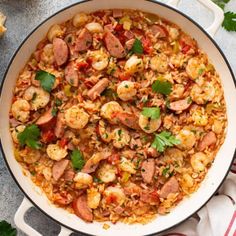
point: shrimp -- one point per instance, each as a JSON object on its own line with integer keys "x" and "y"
{"x": 104, "y": 134}
{"x": 54, "y": 31}
{"x": 199, "y": 161}
{"x": 107, "y": 173}
{"x": 18, "y": 129}
{"x": 80, "y": 19}
{"x": 149, "y": 125}
{"x": 93, "y": 198}
{"x": 99, "y": 59}
{"x": 55, "y": 152}
{"x": 37, "y": 97}
{"x": 187, "y": 181}
{"x": 127, "y": 166}
{"x": 177, "y": 91}
{"x": 121, "y": 137}
{"x": 76, "y": 117}
{"x": 199, "y": 116}
{"x": 21, "y": 110}
{"x": 159, "y": 63}
{"x": 204, "y": 93}
{"x": 187, "y": 139}
{"x": 82, "y": 180}
{"x": 109, "y": 109}
{"x": 30, "y": 155}
{"x": 94, "y": 27}
{"x": 126, "y": 90}
{"x": 47, "y": 55}
{"x": 195, "y": 68}
{"x": 133, "y": 65}
{"x": 115, "y": 195}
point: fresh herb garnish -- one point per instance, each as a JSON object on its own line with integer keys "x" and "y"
{"x": 54, "y": 111}
{"x": 6, "y": 229}
{"x": 221, "y": 3}
{"x": 229, "y": 22}
{"x": 163, "y": 140}
{"x": 58, "y": 102}
{"x": 97, "y": 180}
{"x": 30, "y": 137}
{"x": 163, "y": 87}
{"x": 137, "y": 47}
{"x": 151, "y": 112}
{"x": 46, "y": 80}
{"x": 77, "y": 159}
{"x": 167, "y": 173}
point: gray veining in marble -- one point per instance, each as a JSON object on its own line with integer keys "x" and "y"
{"x": 22, "y": 17}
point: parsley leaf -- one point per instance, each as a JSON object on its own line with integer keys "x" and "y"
{"x": 229, "y": 22}
{"x": 221, "y": 3}
{"x": 163, "y": 87}
{"x": 137, "y": 47}
{"x": 151, "y": 112}
{"x": 58, "y": 102}
{"x": 46, "y": 80}
{"x": 30, "y": 137}
{"x": 163, "y": 140}
{"x": 6, "y": 229}
{"x": 77, "y": 159}
{"x": 54, "y": 111}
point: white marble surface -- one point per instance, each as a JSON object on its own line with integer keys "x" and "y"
{"x": 22, "y": 17}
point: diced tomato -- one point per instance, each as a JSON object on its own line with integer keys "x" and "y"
{"x": 114, "y": 159}
{"x": 154, "y": 196}
{"x": 124, "y": 76}
{"x": 48, "y": 135}
{"x": 185, "y": 48}
{"x": 119, "y": 27}
{"x": 63, "y": 142}
{"x": 82, "y": 66}
{"x": 89, "y": 60}
{"x": 147, "y": 45}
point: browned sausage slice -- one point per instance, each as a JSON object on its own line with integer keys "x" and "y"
{"x": 159, "y": 31}
{"x": 69, "y": 175}
{"x": 60, "y": 126}
{"x": 180, "y": 105}
{"x": 171, "y": 186}
{"x": 207, "y": 140}
{"x": 45, "y": 118}
{"x": 98, "y": 88}
{"x": 71, "y": 74}
{"x": 114, "y": 45}
{"x": 58, "y": 169}
{"x": 127, "y": 119}
{"x": 148, "y": 170}
{"x": 60, "y": 51}
{"x": 81, "y": 208}
{"x": 84, "y": 40}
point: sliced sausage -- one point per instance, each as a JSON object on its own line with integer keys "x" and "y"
{"x": 117, "y": 13}
{"x": 60, "y": 126}
{"x": 71, "y": 74}
{"x": 69, "y": 175}
{"x": 127, "y": 119}
{"x": 45, "y": 118}
{"x": 114, "y": 45}
{"x": 148, "y": 170}
{"x": 63, "y": 200}
{"x": 98, "y": 88}
{"x": 207, "y": 140}
{"x": 60, "y": 51}
{"x": 58, "y": 169}
{"x": 81, "y": 208}
{"x": 150, "y": 197}
{"x": 171, "y": 186}
{"x": 159, "y": 31}
{"x": 108, "y": 27}
{"x": 84, "y": 40}
{"x": 180, "y": 105}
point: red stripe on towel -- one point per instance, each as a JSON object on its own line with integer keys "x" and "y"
{"x": 230, "y": 226}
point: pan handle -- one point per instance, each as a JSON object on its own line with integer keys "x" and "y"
{"x": 217, "y": 11}
{"x": 22, "y": 225}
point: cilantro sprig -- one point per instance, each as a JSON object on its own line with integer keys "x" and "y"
{"x": 229, "y": 22}
{"x": 163, "y": 140}
{"x": 30, "y": 137}
{"x": 46, "y": 80}
{"x": 6, "y": 229}
{"x": 221, "y": 3}
{"x": 151, "y": 112}
{"x": 77, "y": 159}
{"x": 137, "y": 47}
{"x": 163, "y": 87}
